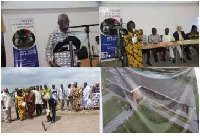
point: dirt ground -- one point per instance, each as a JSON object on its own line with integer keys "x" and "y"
{"x": 85, "y": 121}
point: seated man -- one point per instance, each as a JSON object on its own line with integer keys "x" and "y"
{"x": 154, "y": 38}
{"x": 169, "y": 38}
{"x": 194, "y": 34}
{"x": 180, "y": 35}
{"x": 57, "y": 54}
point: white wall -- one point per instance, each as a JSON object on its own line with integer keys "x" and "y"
{"x": 160, "y": 15}
{"x": 45, "y": 21}
{"x": 145, "y": 15}
{"x": 48, "y": 5}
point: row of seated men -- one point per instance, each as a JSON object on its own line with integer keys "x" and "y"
{"x": 178, "y": 35}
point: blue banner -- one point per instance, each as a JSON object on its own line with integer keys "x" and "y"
{"x": 108, "y": 46}
{"x": 26, "y": 58}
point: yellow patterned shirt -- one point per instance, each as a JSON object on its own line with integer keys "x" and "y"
{"x": 134, "y": 49}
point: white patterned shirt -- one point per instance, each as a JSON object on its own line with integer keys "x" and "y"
{"x": 62, "y": 59}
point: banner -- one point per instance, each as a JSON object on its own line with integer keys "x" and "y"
{"x": 109, "y": 17}
{"x": 150, "y": 100}
{"x": 24, "y": 43}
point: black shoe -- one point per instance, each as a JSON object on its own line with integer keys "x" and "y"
{"x": 156, "y": 60}
{"x": 189, "y": 58}
{"x": 163, "y": 59}
{"x": 149, "y": 64}
{"x": 173, "y": 60}
{"x": 183, "y": 60}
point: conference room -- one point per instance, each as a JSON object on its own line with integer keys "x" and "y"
{"x": 149, "y": 34}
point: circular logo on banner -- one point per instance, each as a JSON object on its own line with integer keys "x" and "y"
{"x": 23, "y": 39}
{"x": 108, "y": 26}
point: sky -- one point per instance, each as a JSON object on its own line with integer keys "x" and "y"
{"x": 24, "y": 77}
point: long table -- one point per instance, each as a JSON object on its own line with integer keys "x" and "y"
{"x": 167, "y": 44}
{"x": 86, "y": 62}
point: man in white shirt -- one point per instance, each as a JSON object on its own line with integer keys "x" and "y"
{"x": 14, "y": 96}
{"x": 69, "y": 97}
{"x": 6, "y": 104}
{"x": 86, "y": 96}
{"x": 169, "y": 38}
{"x": 154, "y": 38}
{"x": 38, "y": 101}
{"x": 61, "y": 96}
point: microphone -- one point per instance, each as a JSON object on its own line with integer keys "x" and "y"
{"x": 93, "y": 50}
{"x": 82, "y": 26}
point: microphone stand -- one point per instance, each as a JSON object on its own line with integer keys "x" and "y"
{"x": 82, "y": 26}
{"x": 87, "y": 30}
{"x": 120, "y": 53}
{"x": 71, "y": 53}
{"x": 93, "y": 50}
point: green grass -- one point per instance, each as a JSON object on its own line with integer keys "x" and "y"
{"x": 105, "y": 73}
{"x": 197, "y": 104}
{"x": 104, "y": 91}
{"x": 111, "y": 108}
{"x": 148, "y": 121}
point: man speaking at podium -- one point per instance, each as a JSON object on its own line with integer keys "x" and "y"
{"x": 57, "y": 51}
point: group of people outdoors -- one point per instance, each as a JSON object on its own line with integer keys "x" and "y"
{"x": 35, "y": 99}
{"x": 136, "y": 39}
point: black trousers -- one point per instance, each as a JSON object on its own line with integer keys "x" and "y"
{"x": 38, "y": 109}
{"x": 160, "y": 49}
{"x": 52, "y": 104}
{"x": 196, "y": 47}
{"x": 147, "y": 51}
{"x": 186, "y": 49}
{"x": 44, "y": 105}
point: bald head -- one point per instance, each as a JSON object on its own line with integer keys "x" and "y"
{"x": 179, "y": 28}
{"x": 63, "y": 22}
